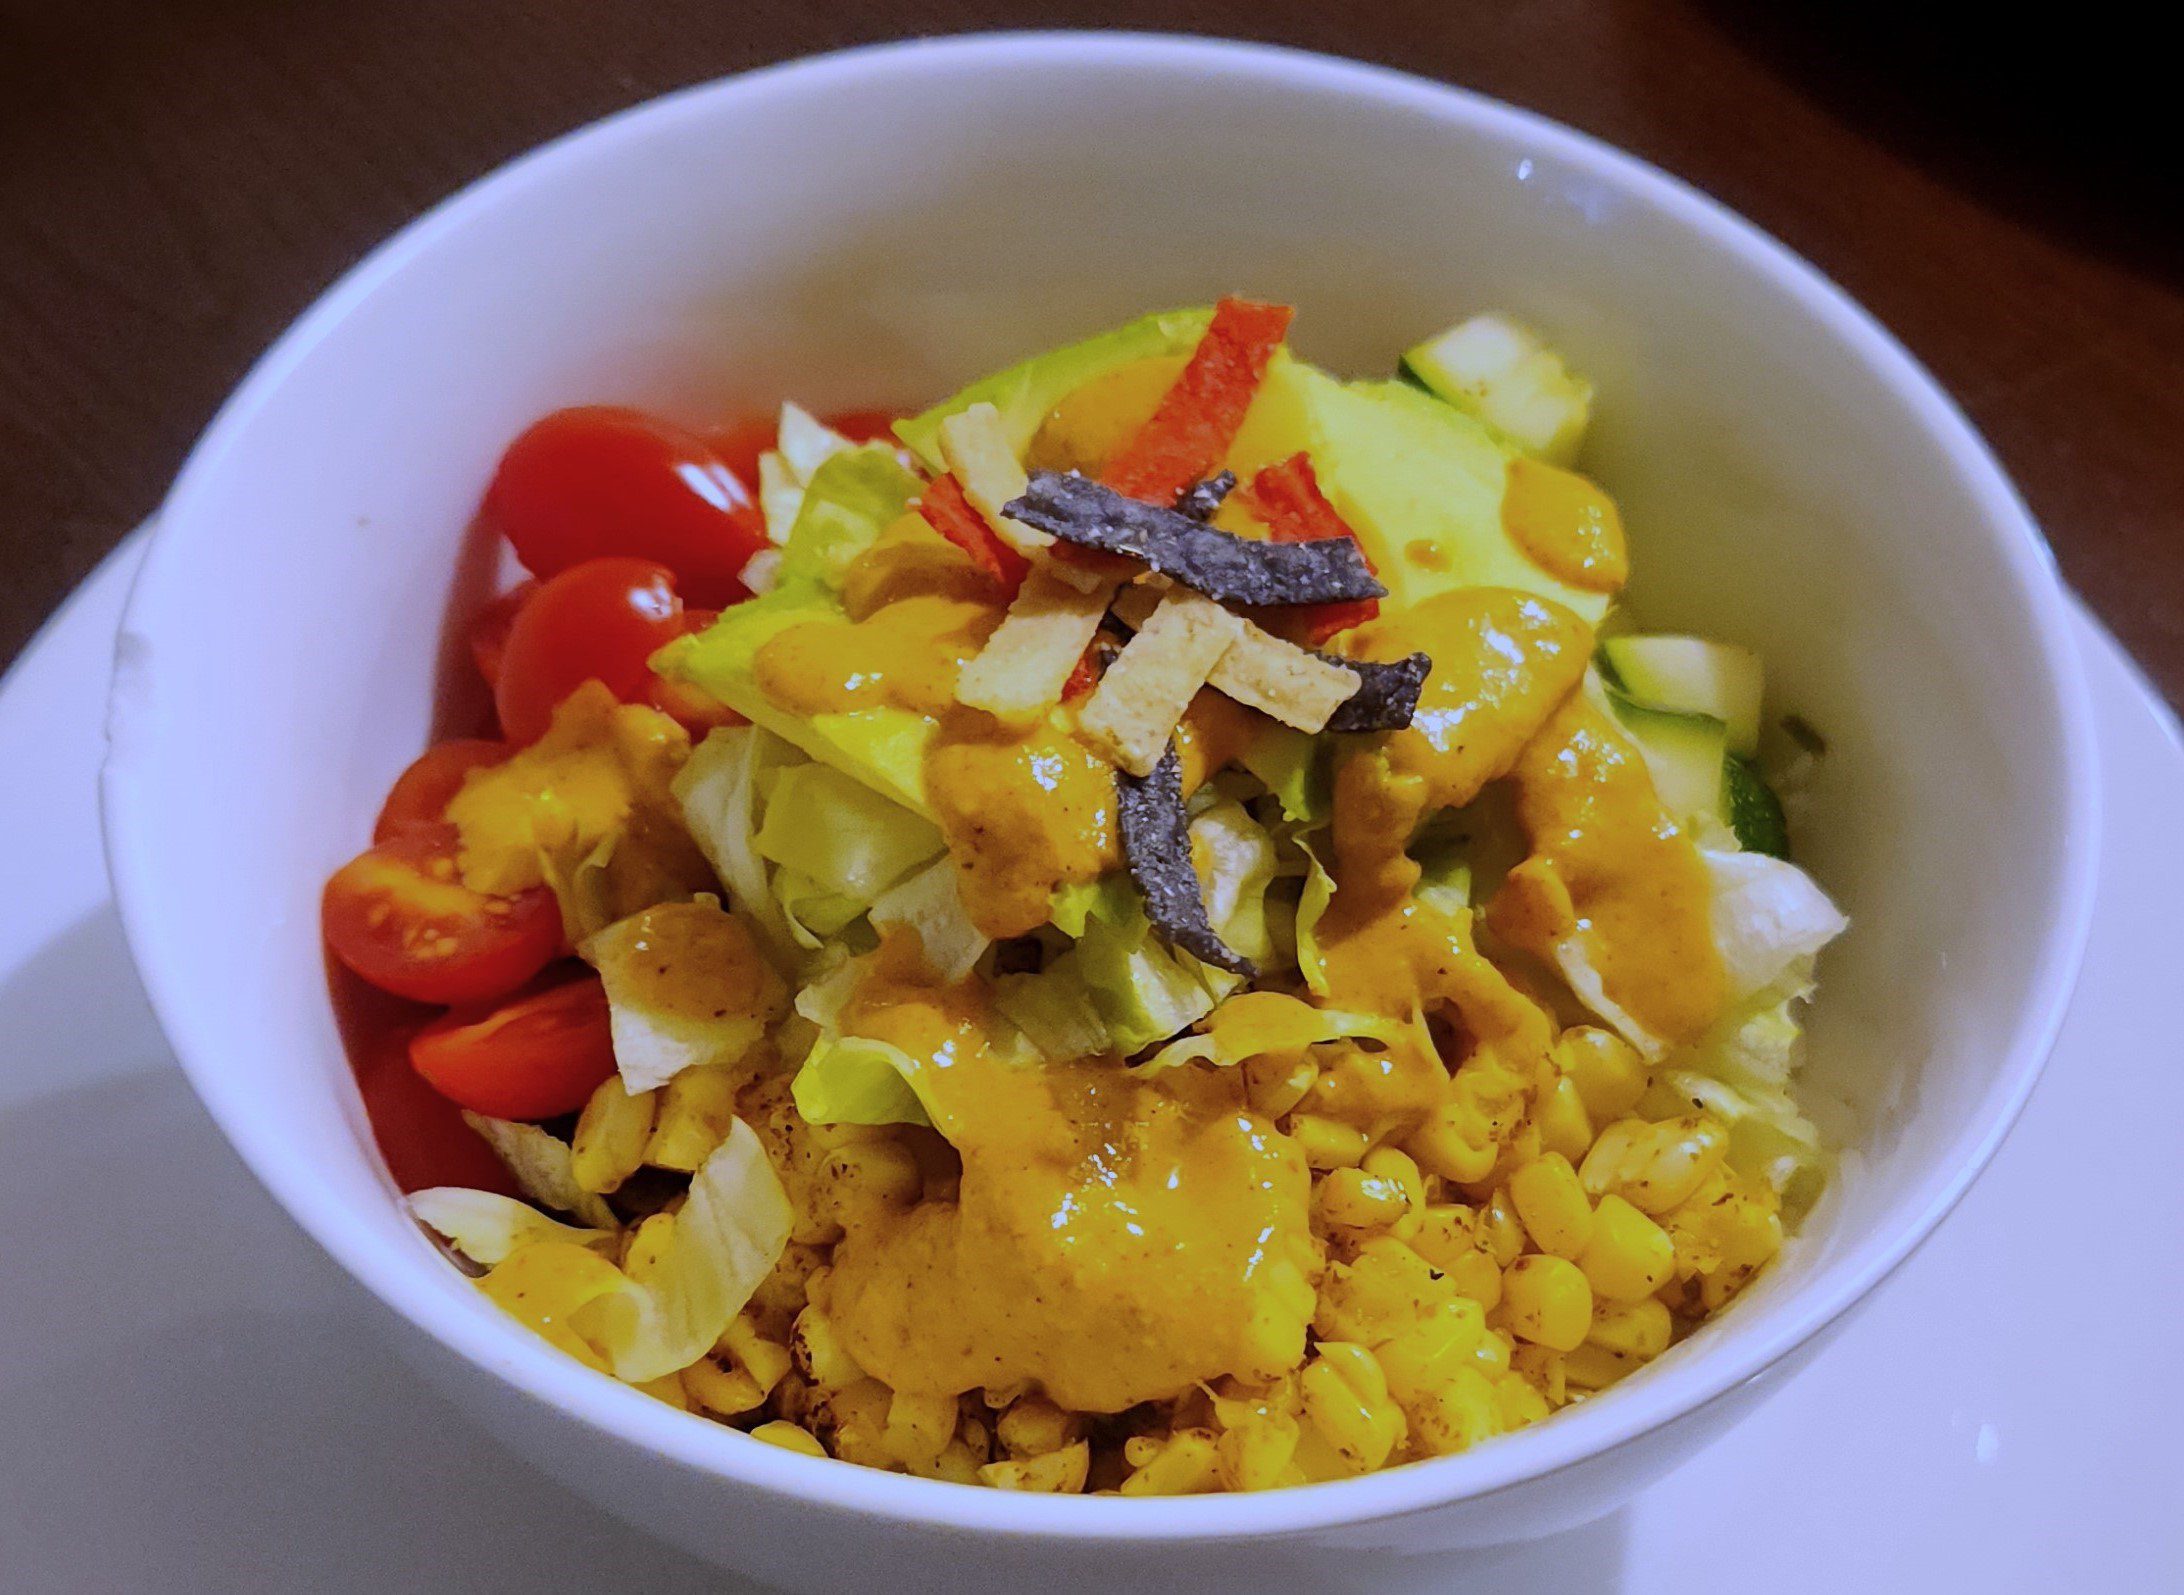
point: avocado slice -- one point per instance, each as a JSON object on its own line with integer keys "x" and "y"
{"x": 1028, "y": 390}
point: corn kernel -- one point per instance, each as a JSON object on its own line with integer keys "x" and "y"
{"x": 1655, "y": 1166}
{"x": 1186, "y": 1463}
{"x": 1501, "y": 1229}
{"x": 1431, "y": 1351}
{"x": 1476, "y": 1276}
{"x": 1328, "y": 1143}
{"x": 1454, "y": 1143}
{"x": 1444, "y": 1234}
{"x": 1564, "y": 1125}
{"x": 1456, "y": 1414}
{"x": 1592, "y": 1367}
{"x": 1274, "y": 1084}
{"x": 1546, "y": 1300}
{"x": 1543, "y": 1371}
{"x": 957, "y": 1463}
{"x": 1551, "y": 1202}
{"x": 867, "y": 1179}
{"x": 609, "y": 1143}
{"x": 1629, "y": 1257}
{"x": 1517, "y": 1402}
{"x": 646, "y": 1246}
{"x": 1354, "y": 1199}
{"x": 820, "y": 1355}
{"x": 1638, "y": 1329}
{"x": 696, "y": 1110}
{"x": 920, "y": 1427}
{"x": 669, "y": 1389}
{"x": 763, "y": 1359}
{"x": 789, "y": 1437}
{"x": 1257, "y": 1455}
{"x": 1347, "y": 1404}
{"x": 853, "y": 1420}
{"x": 1606, "y": 1071}
{"x": 730, "y": 1392}
{"x": 1386, "y": 1163}
{"x": 1057, "y": 1473}
{"x": 1035, "y": 1426}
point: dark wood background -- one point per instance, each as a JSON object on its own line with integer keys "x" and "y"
{"x": 178, "y": 179}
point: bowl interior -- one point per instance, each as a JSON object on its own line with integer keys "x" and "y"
{"x": 874, "y": 229}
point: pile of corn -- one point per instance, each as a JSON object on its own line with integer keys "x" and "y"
{"x": 1543, "y": 1241}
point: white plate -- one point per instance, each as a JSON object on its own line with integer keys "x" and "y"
{"x": 190, "y": 1402}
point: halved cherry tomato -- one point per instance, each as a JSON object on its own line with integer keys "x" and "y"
{"x": 401, "y": 917}
{"x": 601, "y": 620}
{"x": 865, "y": 426}
{"x": 532, "y": 1059}
{"x": 740, "y": 443}
{"x": 488, "y": 633}
{"x": 600, "y": 481}
{"x": 420, "y": 794}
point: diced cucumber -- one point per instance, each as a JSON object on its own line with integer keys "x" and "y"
{"x": 1753, "y": 811}
{"x": 1500, "y": 372}
{"x": 1684, "y": 753}
{"x": 1693, "y": 676}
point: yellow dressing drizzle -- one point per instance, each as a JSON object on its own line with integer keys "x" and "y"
{"x": 1565, "y": 525}
{"x": 1612, "y": 875}
{"x": 1115, "y": 1238}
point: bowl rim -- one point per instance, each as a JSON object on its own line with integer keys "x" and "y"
{"x": 502, "y": 1350}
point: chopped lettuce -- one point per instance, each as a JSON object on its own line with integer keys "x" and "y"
{"x": 720, "y": 792}
{"x": 857, "y": 1080}
{"x": 852, "y": 498}
{"x": 1026, "y": 391}
{"x": 1292, "y": 765}
{"x": 541, "y": 1165}
{"x": 1143, "y": 991}
{"x": 1255, "y": 1022}
{"x": 1768, "y": 915}
{"x": 1742, "y": 1071}
{"x": 1319, "y": 892}
{"x": 1236, "y": 863}
{"x": 726, "y": 1238}
{"x": 687, "y": 987}
{"x": 487, "y": 1227}
{"x": 930, "y": 903}
{"x": 1054, "y": 1010}
{"x": 840, "y": 834}
{"x": 1112, "y": 898}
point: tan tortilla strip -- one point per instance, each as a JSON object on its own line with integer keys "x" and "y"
{"x": 977, "y": 450}
{"x": 1263, "y": 672}
{"x": 1136, "y": 707}
{"x": 1026, "y": 662}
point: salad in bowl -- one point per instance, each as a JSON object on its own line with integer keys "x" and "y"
{"x": 1151, "y": 928}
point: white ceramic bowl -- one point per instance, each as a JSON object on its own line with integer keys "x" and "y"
{"x": 877, "y": 226}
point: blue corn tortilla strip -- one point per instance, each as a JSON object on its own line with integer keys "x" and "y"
{"x": 1156, "y": 844}
{"x": 1387, "y": 694}
{"x": 1201, "y": 499}
{"x": 1226, "y": 568}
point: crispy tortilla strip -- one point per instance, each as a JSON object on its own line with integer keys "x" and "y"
{"x": 1260, "y": 670}
{"x": 1156, "y": 843}
{"x": 976, "y": 447}
{"x": 1136, "y": 707}
{"x": 1027, "y": 661}
{"x": 1235, "y": 570}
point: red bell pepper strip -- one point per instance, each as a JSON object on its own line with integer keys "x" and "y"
{"x": 1288, "y": 499}
{"x": 1084, "y": 675}
{"x": 1190, "y": 430}
{"x": 952, "y": 515}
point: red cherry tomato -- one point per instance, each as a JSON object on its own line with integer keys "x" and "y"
{"x": 600, "y": 481}
{"x": 488, "y": 632}
{"x": 600, "y": 620}
{"x": 536, "y": 1057}
{"x": 865, "y": 426}
{"x": 740, "y": 443}
{"x": 422, "y": 792}
{"x": 401, "y": 917}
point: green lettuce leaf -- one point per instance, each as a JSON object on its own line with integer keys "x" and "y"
{"x": 840, "y": 834}
{"x": 856, "y": 1080}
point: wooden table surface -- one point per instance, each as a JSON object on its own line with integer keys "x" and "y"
{"x": 178, "y": 179}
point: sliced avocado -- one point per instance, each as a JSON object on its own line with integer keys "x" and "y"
{"x": 1684, "y": 753}
{"x": 1693, "y": 675}
{"x": 1422, "y": 483}
{"x": 1026, "y": 391}
{"x": 1753, "y": 811}
{"x": 1500, "y": 372}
